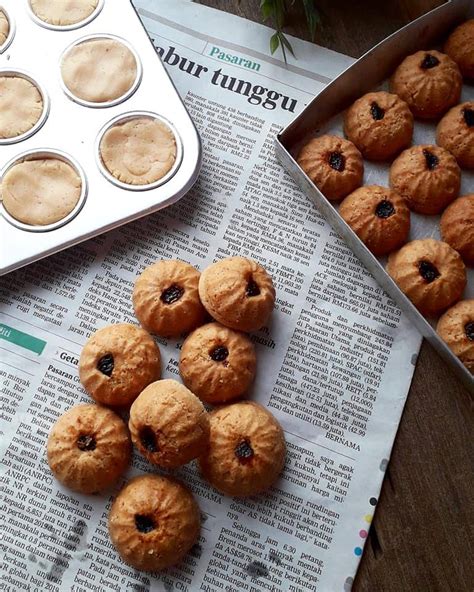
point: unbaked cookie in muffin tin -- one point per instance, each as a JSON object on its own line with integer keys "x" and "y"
{"x": 76, "y": 118}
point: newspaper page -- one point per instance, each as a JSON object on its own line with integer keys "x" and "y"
{"x": 334, "y": 365}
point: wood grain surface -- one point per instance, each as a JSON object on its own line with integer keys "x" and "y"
{"x": 422, "y": 537}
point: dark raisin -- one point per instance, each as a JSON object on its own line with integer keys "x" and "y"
{"x": 86, "y": 443}
{"x": 219, "y": 353}
{"x": 106, "y": 364}
{"x": 144, "y": 524}
{"x": 337, "y": 161}
{"x": 432, "y": 161}
{"x": 385, "y": 209}
{"x": 252, "y": 289}
{"x": 429, "y": 61}
{"x": 428, "y": 271}
{"x": 376, "y": 111}
{"x": 469, "y": 117}
{"x": 147, "y": 438}
{"x": 171, "y": 294}
{"x": 469, "y": 330}
{"x": 243, "y": 451}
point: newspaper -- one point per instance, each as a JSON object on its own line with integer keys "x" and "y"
{"x": 334, "y": 365}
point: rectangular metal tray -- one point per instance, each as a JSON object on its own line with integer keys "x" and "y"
{"x": 73, "y": 128}
{"x": 323, "y": 115}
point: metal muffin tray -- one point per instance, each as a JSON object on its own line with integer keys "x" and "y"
{"x": 70, "y": 129}
{"x": 324, "y": 115}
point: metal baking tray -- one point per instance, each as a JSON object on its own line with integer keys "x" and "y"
{"x": 71, "y": 128}
{"x": 324, "y": 115}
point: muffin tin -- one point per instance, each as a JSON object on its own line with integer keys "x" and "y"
{"x": 324, "y": 115}
{"x": 70, "y": 128}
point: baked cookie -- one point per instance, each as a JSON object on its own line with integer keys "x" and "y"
{"x": 166, "y": 298}
{"x": 117, "y": 363}
{"x": 99, "y": 70}
{"x": 427, "y": 176}
{"x": 41, "y": 191}
{"x": 238, "y": 293}
{"x": 21, "y": 106}
{"x": 333, "y": 164}
{"x": 246, "y": 450}
{"x": 460, "y": 48}
{"x": 217, "y": 364}
{"x": 455, "y": 132}
{"x": 429, "y": 81}
{"x": 379, "y": 217}
{"x": 154, "y": 521}
{"x": 138, "y": 151}
{"x": 4, "y": 28}
{"x": 89, "y": 448}
{"x": 430, "y": 273}
{"x": 379, "y": 124}
{"x": 456, "y": 329}
{"x": 169, "y": 424}
{"x": 457, "y": 227}
{"x": 63, "y": 13}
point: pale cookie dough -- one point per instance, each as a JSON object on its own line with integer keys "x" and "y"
{"x": 21, "y": 106}
{"x": 139, "y": 151}
{"x": 40, "y": 192}
{"x": 63, "y": 12}
{"x": 4, "y": 28}
{"x": 99, "y": 70}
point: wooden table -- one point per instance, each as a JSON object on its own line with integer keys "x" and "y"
{"x": 422, "y": 537}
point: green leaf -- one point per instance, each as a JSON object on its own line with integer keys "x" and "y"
{"x": 274, "y": 43}
{"x": 268, "y": 9}
{"x": 286, "y": 43}
{"x": 312, "y": 16}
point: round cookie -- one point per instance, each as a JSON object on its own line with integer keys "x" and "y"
{"x": 217, "y": 364}
{"x": 333, "y": 164}
{"x": 99, "y": 70}
{"x": 169, "y": 424}
{"x": 455, "y": 132}
{"x": 379, "y": 217}
{"x": 460, "y": 48}
{"x": 117, "y": 363}
{"x": 238, "y": 293}
{"x": 427, "y": 176}
{"x": 456, "y": 329}
{"x": 4, "y": 28}
{"x": 138, "y": 151}
{"x": 166, "y": 298}
{"x": 246, "y": 451}
{"x": 380, "y": 124}
{"x": 457, "y": 227}
{"x": 63, "y": 13}
{"x": 89, "y": 448}
{"x": 154, "y": 521}
{"x": 430, "y": 273}
{"x": 41, "y": 191}
{"x": 429, "y": 81}
{"x": 21, "y": 106}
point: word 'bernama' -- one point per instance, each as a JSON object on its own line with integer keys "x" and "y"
{"x": 255, "y": 93}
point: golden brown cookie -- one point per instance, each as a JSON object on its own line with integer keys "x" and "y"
{"x": 4, "y": 27}
{"x": 429, "y": 81}
{"x": 238, "y": 293}
{"x": 380, "y": 124}
{"x": 430, "y": 273}
{"x": 457, "y": 227}
{"x": 166, "y": 298}
{"x": 333, "y": 164}
{"x": 169, "y": 424}
{"x": 89, "y": 448}
{"x": 427, "y": 176}
{"x": 460, "y": 48}
{"x": 217, "y": 364}
{"x": 455, "y": 132}
{"x": 456, "y": 329}
{"x": 117, "y": 363}
{"x": 64, "y": 12}
{"x": 154, "y": 521}
{"x": 246, "y": 450}
{"x": 379, "y": 217}
{"x": 21, "y": 106}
